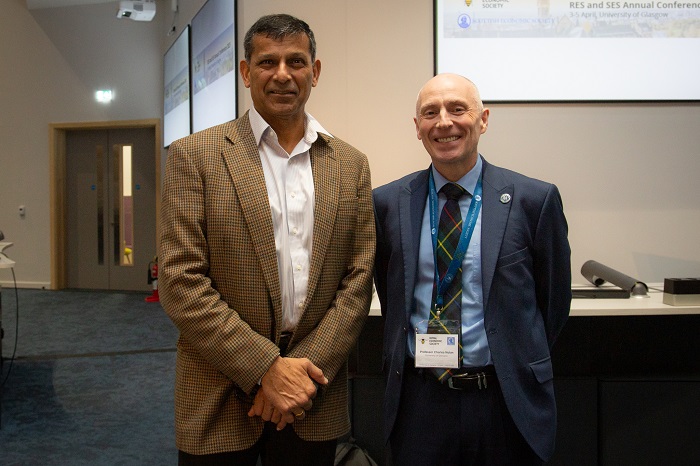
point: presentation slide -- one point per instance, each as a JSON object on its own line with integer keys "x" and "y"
{"x": 176, "y": 72}
{"x": 551, "y": 50}
{"x": 214, "y": 64}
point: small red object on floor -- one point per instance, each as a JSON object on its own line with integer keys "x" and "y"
{"x": 153, "y": 270}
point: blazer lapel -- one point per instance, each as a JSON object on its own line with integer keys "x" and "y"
{"x": 412, "y": 199}
{"x": 326, "y": 172}
{"x": 494, "y": 217}
{"x": 243, "y": 162}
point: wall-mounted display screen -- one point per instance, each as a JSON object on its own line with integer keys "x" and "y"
{"x": 555, "y": 50}
{"x": 176, "y": 73}
{"x": 214, "y": 69}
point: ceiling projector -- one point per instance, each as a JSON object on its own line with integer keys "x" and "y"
{"x": 138, "y": 10}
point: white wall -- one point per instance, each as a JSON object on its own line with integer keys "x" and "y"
{"x": 53, "y": 60}
{"x": 628, "y": 172}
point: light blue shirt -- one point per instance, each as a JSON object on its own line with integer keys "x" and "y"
{"x": 475, "y": 348}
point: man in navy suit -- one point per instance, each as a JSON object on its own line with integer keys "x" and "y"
{"x": 492, "y": 401}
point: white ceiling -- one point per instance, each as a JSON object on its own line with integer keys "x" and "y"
{"x": 37, "y": 4}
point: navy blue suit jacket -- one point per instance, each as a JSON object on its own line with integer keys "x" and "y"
{"x": 526, "y": 288}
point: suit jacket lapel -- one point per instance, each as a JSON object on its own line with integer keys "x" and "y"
{"x": 243, "y": 162}
{"x": 326, "y": 172}
{"x": 412, "y": 199}
{"x": 494, "y": 217}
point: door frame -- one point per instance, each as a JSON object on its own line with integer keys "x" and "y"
{"x": 58, "y": 182}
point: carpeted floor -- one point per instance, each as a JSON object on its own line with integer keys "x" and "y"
{"x": 92, "y": 380}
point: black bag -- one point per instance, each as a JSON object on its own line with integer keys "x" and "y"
{"x": 351, "y": 454}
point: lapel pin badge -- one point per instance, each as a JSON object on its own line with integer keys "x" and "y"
{"x": 505, "y": 198}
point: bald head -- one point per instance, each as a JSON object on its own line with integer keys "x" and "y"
{"x": 450, "y": 118}
{"x": 450, "y": 81}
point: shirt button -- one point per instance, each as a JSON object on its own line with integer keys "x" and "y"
{"x": 301, "y": 305}
{"x": 298, "y": 266}
{"x": 295, "y": 231}
{"x": 293, "y": 194}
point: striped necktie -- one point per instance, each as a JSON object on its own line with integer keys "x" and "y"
{"x": 449, "y": 233}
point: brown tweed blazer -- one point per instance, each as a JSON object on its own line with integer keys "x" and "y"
{"x": 219, "y": 283}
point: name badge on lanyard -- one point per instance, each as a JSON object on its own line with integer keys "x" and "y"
{"x": 441, "y": 346}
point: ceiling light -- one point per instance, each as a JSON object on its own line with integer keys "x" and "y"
{"x": 104, "y": 96}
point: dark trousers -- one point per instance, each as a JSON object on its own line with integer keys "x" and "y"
{"x": 283, "y": 448}
{"x": 437, "y": 425}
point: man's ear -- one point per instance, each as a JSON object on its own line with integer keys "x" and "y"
{"x": 485, "y": 120}
{"x": 317, "y": 72}
{"x": 245, "y": 72}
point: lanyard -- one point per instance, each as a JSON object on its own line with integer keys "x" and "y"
{"x": 465, "y": 238}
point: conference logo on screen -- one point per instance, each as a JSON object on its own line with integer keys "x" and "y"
{"x": 464, "y": 21}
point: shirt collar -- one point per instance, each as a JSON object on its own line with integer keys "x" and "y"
{"x": 468, "y": 181}
{"x": 260, "y": 127}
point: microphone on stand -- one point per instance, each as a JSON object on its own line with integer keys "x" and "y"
{"x": 597, "y": 273}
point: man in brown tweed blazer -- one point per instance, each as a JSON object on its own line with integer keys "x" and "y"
{"x": 266, "y": 253}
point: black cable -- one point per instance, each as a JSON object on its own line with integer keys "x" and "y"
{"x": 173, "y": 28}
{"x": 14, "y": 350}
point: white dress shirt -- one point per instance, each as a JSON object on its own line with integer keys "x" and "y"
{"x": 290, "y": 189}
